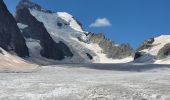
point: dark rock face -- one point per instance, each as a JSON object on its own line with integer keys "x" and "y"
{"x": 109, "y": 48}
{"x": 89, "y": 56}
{"x": 1, "y": 51}
{"x": 36, "y": 30}
{"x": 164, "y": 52}
{"x": 11, "y": 38}
{"x": 138, "y": 55}
{"x": 146, "y": 44}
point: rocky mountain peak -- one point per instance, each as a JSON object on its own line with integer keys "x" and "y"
{"x": 31, "y": 5}
{"x": 36, "y": 30}
{"x": 28, "y": 4}
{"x": 111, "y": 49}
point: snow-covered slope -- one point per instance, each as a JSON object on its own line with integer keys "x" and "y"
{"x": 59, "y": 27}
{"x": 12, "y": 63}
{"x": 158, "y": 43}
{"x": 70, "y": 19}
{"x": 151, "y": 53}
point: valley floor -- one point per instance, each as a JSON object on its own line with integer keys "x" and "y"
{"x": 88, "y": 82}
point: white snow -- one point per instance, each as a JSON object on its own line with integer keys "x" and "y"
{"x": 88, "y": 82}
{"x": 163, "y": 61}
{"x": 22, "y": 26}
{"x": 34, "y": 47}
{"x": 34, "y": 52}
{"x": 69, "y": 18}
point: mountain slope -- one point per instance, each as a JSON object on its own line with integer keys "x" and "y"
{"x": 36, "y": 30}
{"x": 12, "y": 63}
{"x": 114, "y": 51}
{"x": 63, "y": 27}
{"x": 150, "y": 50}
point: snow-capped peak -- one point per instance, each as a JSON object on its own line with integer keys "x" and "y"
{"x": 158, "y": 43}
{"x": 63, "y": 15}
{"x": 28, "y": 4}
{"x": 71, "y": 20}
{"x": 150, "y": 50}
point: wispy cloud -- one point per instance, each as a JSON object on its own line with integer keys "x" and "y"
{"x": 101, "y": 22}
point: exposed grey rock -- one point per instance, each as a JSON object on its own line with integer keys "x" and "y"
{"x": 146, "y": 44}
{"x": 142, "y": 56}
{"x": 109, "y": 48}
{"x": 11, "y": 38}
{"x": 164, "y": 52}
{"x": 29, "y": 4}
{"x": 36, "y": 30}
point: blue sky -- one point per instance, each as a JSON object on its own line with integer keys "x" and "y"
{"x": 129, "y": 21}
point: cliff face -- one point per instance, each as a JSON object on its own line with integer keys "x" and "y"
{"x": 109, "y": 48}
{"x": 10, "y": 36}
{"x": 36, "y": 30}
